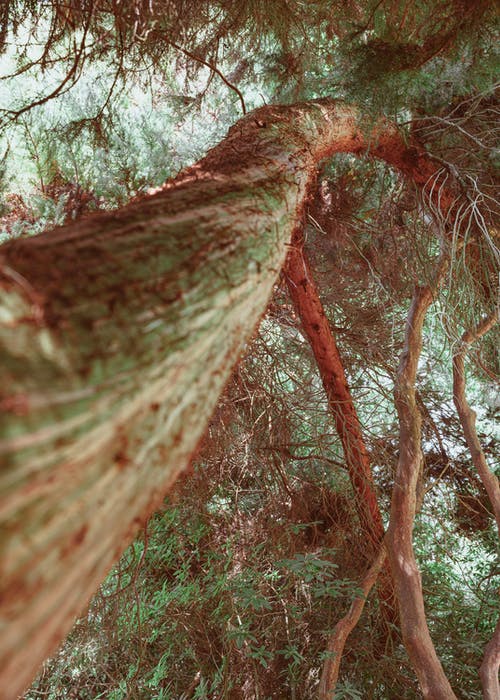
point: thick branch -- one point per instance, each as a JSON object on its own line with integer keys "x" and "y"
{"x": 308, "y": 306}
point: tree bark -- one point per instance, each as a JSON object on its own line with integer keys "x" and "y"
{"x": 468, "y": 417}
{"x": 117, "y": 335}
{"x": 491, "y": 660}
{"x": 308, "y": 306}
{"x": 406, "y": 575}
{"x": 307, "y": 303}
{"x": 489, "y": 667}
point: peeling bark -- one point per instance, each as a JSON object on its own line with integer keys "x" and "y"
{"x": 117, "y": 335}
{"x": 406, "y": 575}
{"x": 491, "y": 661}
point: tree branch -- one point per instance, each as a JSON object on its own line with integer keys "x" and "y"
{"x": 407, "y": 580}
{"x": 491, "y": 660}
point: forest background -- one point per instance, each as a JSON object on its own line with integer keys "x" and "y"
{"x": 249, "y": 580}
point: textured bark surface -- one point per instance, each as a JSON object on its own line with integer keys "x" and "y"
{"x": 315, "y": 324}
{"x": 117, "y": 335}
{"x": 406, "y": 575}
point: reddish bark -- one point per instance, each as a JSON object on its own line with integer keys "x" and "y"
{"x": 305, "y": 296}
{"x": 113, "y": 355}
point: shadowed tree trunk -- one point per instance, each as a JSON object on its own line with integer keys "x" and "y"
{"x": 117, "y": 335}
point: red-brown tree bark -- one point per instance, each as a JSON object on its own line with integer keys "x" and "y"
{"x": 307, "y": 303}
{"x": 316, "y": 327}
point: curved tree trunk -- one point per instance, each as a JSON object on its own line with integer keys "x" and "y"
{"x": 491, "y": 660}
{"x": 399, "y": 539}
{"x": 117, "y": 335}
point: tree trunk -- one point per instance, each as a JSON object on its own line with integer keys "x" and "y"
{"x": 117, "y": 335}
{"x": 406, "y": 575}
{"x": 491, "y": 661}
{"x": 316, "y": 327}
{"x": 489, "y": 667}
{"x": 308, "y": 306}
{"x": 468, "y": 417}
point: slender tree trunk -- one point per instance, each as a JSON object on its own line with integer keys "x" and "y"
{"x": 468, "y": 417}
{"x": 308, "y": 306}
{"x": 344, "y": 627}
{"x": 490, "y": 665}
{"x": 407, "y": 580}
{"x": 491, "y": 661}
{"x": 117, "y": 335}
{"x": 307, "y": 303}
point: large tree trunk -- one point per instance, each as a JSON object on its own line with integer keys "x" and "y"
{"x": 117, "y": 335}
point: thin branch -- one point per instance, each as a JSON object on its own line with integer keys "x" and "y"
{"x": 491, "y": 660}
{"x": 344, "y": 627}
{"x": 213, "y": 68}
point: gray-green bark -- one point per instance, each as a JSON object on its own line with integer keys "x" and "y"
{"x": 117, "y": 335}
